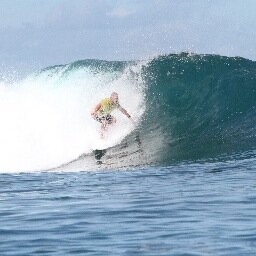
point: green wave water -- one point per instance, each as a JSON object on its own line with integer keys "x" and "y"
{"x": 202, "y": 105}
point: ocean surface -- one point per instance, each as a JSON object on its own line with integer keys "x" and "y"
{"x": 181, "y": 181}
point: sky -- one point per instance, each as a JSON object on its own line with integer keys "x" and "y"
{"x": 38, "y": 33}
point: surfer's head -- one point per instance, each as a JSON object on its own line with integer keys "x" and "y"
{"x": 114, "y": 97}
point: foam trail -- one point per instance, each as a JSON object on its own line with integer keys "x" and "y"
{"x": 45, "y": 118}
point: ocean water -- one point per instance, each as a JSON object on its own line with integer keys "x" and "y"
{"x": 179, "y": 182}
{"x": 185, "y": 209}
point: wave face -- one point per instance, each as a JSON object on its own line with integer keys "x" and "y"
{"x": 203, "y": 105}
{"x": 187, "y": 107}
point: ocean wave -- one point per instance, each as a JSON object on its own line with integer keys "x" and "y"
{"x": 187, "y": 107}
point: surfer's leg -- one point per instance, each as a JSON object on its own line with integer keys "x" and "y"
{"x": 101, "y": 133}
{"x": 106, "y": 121}
{"x": 103, "y": 128}
{"x": 110, "y": 119}
{"x": 102, "y": 120}
{"x": 113, "y": 120}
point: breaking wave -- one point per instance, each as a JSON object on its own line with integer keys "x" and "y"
{"x": 186, "y": 107}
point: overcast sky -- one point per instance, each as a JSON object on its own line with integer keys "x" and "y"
{"x": 39, "y": 33}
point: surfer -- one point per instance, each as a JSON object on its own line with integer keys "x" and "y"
{"x": 102, "y": 110}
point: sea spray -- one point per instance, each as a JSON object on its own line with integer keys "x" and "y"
{"x": 46, "y": 121}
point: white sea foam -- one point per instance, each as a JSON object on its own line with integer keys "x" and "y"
{"x": 45, "y": 118}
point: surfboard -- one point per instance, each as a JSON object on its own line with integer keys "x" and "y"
{"x": 98, "y": 154}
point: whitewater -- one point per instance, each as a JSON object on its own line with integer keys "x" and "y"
{"x": 46, "y": 121}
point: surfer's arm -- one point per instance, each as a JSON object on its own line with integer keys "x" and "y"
{"x": 96, "y": 109}
{"x": 124, "y": 111}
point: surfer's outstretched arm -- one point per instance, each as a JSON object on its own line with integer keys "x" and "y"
{"x": 124, "y": 111}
